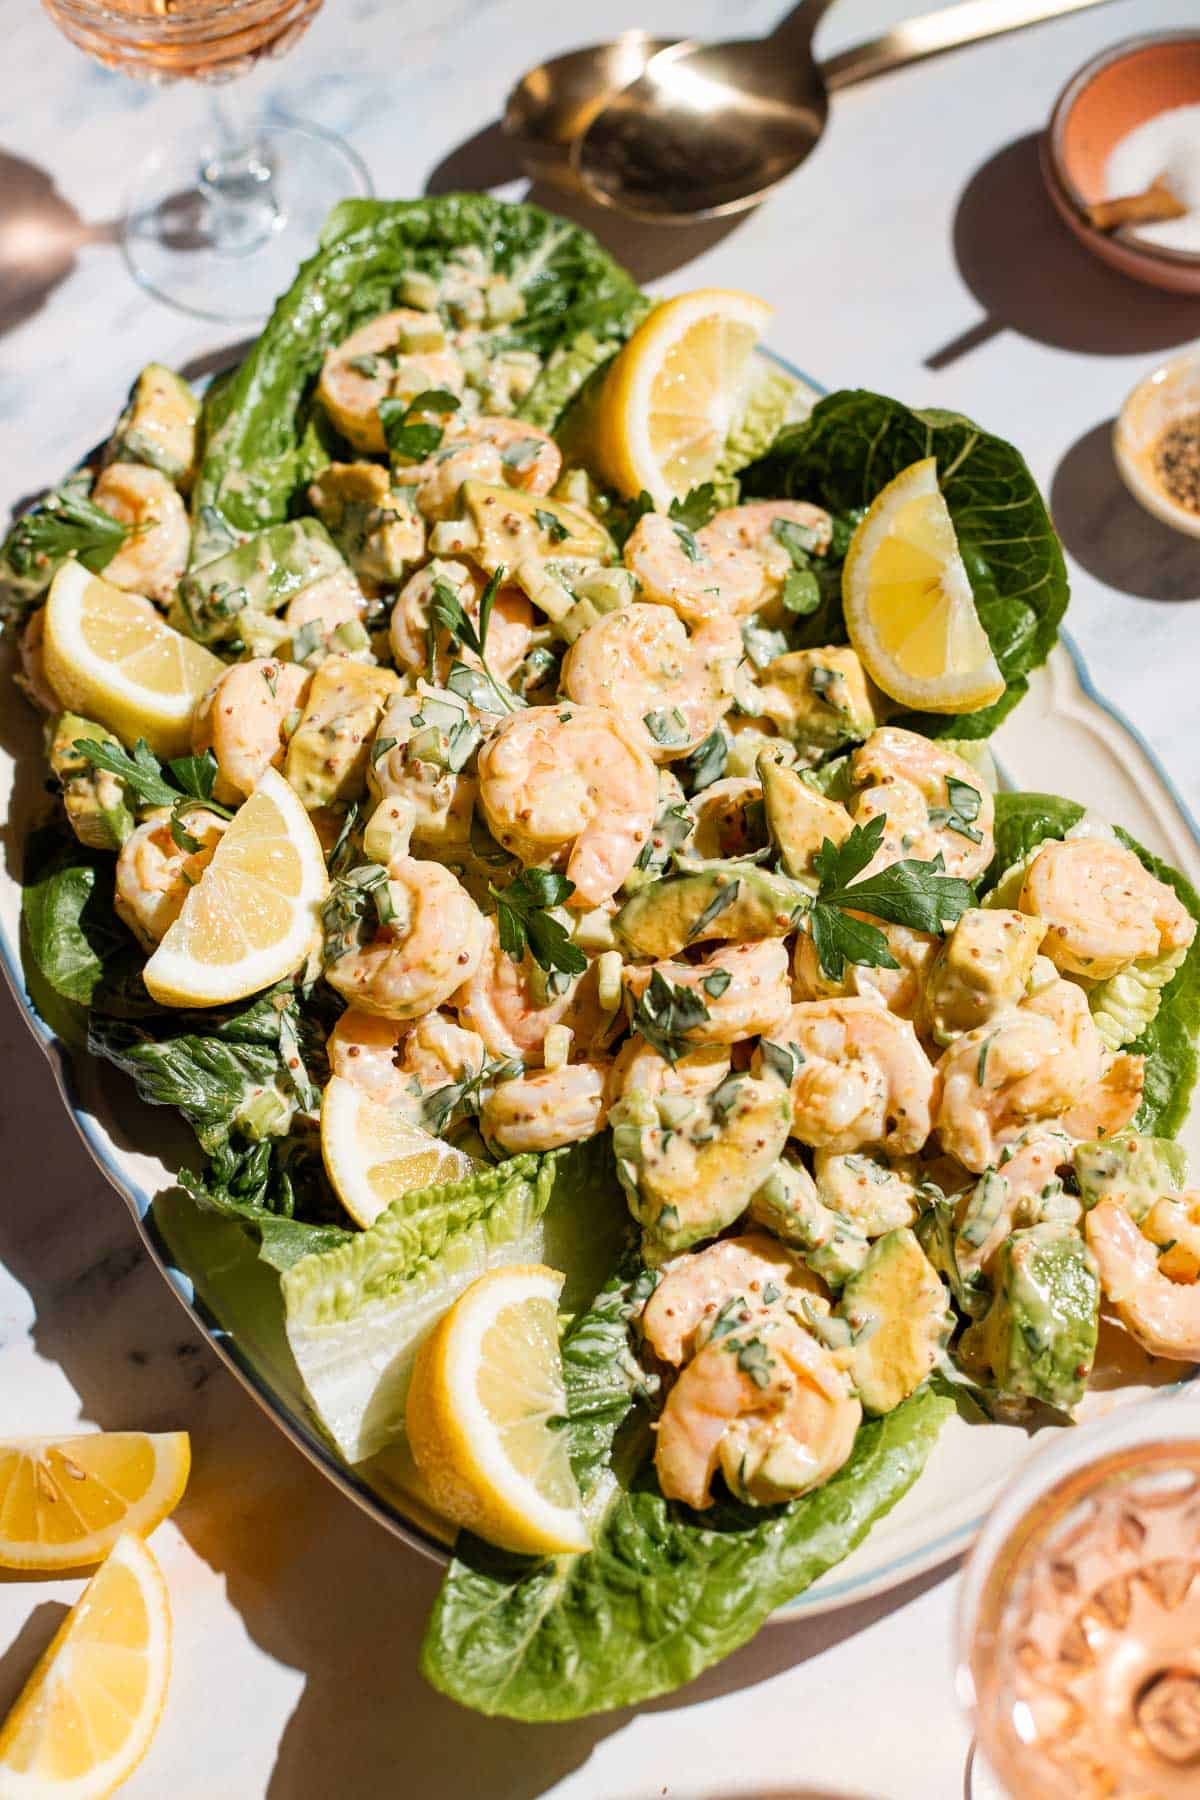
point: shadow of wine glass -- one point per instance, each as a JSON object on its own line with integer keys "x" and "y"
{"x": 1110, "y": 535}
{"x": 1029, "y": 274}
{"x": 40, "y": 236}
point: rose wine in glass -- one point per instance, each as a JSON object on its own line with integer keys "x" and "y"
{"x": 1079, "y": 1643}
{"x": 216, "y": 224}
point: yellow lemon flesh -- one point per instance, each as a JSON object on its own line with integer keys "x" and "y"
{"x": 372, "y": 1155}
{"x": 64, "y": 1502}
{"x": 486, "y": 1394}
{"x": 908, "y": 603}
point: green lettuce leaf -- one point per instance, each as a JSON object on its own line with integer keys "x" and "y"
{"x": 1127, "y": 1003}
{"x": 1022, "y": 821}
{"x": 854, "y": 442}
{"x": 759, "y": 419}
{"x": 263, "y": 1188}
{"x": 71, "y": 936}
{"x": 256, "y": 449}
{"x": 664, "y": 1593}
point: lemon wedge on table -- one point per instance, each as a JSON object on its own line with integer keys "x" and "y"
{"x": 64, "y": 1502}
{"x": 908, "y": 603}
{"x": 672, "y": 393}
{"x": 486, "y": 1391}
{"x": 88, "y": 1712}
{"x": 112, "y": 656}
{"x": 254, "y": 915}
{"x": 372, "y": 1155}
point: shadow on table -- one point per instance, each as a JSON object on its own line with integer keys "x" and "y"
{"x": 40, "y": 235}
{"x": 1110, "y": 535}
{"x": 1029, "y": 274}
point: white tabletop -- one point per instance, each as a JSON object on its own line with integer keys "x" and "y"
{"x": 915, "y": 253}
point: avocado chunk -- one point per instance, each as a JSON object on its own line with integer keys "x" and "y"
{"x": 689, "y": 1167}
{"x": 374, "y": 525}
{"x": 899, "y": 1314}
{"x": 327, "y": 756}
{"x": 158, "y": 426}
{"x": 1038, "y": 1337}
{"x": 787, "y": 1204}
{"x": 799, "y": 819}
{"x": 1136, "y": 1170}
{"x": 736, "y": 902}
{"x": 819, "y": 699}
{"x": 256, "y": 579}
{"x": 98, "y": 804}
{"x": 982, "y": 967}
{"x": 510, "y": 526}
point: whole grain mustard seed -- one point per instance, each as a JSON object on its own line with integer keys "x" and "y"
{"x": 1177, "y": 461}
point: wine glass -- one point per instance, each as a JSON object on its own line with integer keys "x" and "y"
{"x": 216, "y": 223}
{"x": 1079, "y": 1621}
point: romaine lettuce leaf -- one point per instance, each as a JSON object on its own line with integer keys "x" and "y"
{"x": 854, "y": 442}
{"x": 254, "y": 452}
{"x": 1127, "y": 1003}
{"x": 70, "y": 933}
{"x": 664, "y": 1592}
{"x": 262, "y": 1187}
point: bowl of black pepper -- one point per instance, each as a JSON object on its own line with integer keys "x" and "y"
{"x": 1156, "y": 443}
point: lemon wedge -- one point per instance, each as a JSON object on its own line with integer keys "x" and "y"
{"x": 64, "y": 1502}
{"x": 112, "y": 657}
{"x": 254, "y": 915}
{"x": 674, "y": 390}
{"x": 372, "y": 1155}
{"x": 487, "y": 1388}
{"x": 909, "y": 607}
{"x": 88, "y": 1712}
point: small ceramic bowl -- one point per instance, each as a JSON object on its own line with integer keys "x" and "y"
{"x": 1167, "y": 394}
{"x": 1104, "y": 102}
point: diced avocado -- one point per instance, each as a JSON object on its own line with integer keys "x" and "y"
{"x": 158, "y": 426}
{"x": 327, "y": 755}
{"x": 982, "y": 967}
{"x": 819, "y": 699}
{"x": 1136, "y": 1170}
{"x": 511, "y": 526}
{"x": 787, "y": 1204}
{"x": 736, "y": 902}
{"x": 1038, "y": 1337}
{"x": 374, "y": 525}
{"x": 799, "y": 819}
{"x": 258, "y": 577}
{"x": 899, "y": 1314}
{"x": 689, "y": 1167}
{"x": 99, "y": 806}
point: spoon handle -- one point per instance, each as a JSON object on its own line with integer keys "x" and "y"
{"x": 931, "y": 33}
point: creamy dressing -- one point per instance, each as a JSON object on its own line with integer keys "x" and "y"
{"x": 1167, "y": 145}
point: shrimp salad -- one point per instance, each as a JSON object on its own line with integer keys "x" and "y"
{"x": 837, "y": 1081}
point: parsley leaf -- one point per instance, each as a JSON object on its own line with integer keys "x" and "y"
{"x": 551, "y": 524}
{"x": 665, "y": 1014}
{"x": 697, "y": 507}
{"x": 479, "y": 688}
{"x": 964, "y": 804}
{"x": 916, "y": 894}
{"x": 68, "y": 523}
{"x": 705, "y": 764}
{"x": 688, "y": 544}
{"x": 524, "y": 921}
{"x": 462, "y": 1098}
{"x": 352, "y": 896}
{"x": 407, "y": 427}
{"x": 144, "y": 775}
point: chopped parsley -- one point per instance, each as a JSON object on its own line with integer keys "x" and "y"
{"x": 962, "y": 810}
{"x": 525, "y": 921}
{"x": 665, "y": 1014}
{"x": 552, "y": 525}
{"x": 409, "y": 430}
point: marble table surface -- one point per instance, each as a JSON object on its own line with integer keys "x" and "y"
{"x": 914, "y": 253}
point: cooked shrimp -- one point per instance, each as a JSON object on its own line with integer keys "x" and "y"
{"x": 509, "y": 630}
{"x": 876, "y": 1193}
{"x": 512, "y": 1006}
{"x": 768, "y": 1406}
{"x": 907, "y": 778}
{"x": 729, "y": 818}
{"x": 573, "y": 784}
{"x": 436, "y": 1050}
{"x": 242, "y": 720}
{"x": 1113, "y": 1090}
{"x": 860, "y": 1078}
{"x": 396, "y": 1063}
{"x": 743, "y": 987}
{"x": 754, "y": 527}
{"x": 641, "y": 662}
{"x": 32, "y": 679}
{"x": 547, "y": 1109}
{"x": 155, "y": 874}
{"x": 1005, "y": 1075}
{"x": 1161, "y": 1313}
{"x": 1173, "y": 1222}
{"x": 1102, "y": 909}
{"x": 432, "y": 944}
{"x": 755, "y": 1270}
{"x": 639, "y": 1068}
{"x": 899, "y": 989}
{"x": 420, "y": 738}
{"x": 333, "y": 601}
{"x": 699, "y": 578}
{"x": 372, "y": 364}
{"x": 154, "y": 556}
{"x": 502, "y": 452}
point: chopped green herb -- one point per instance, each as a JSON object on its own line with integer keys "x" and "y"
{"x": 716, "y": 983}
{"x": 916, "y": 894}
{"x": 724, "y": 897}
{"x": 665, "y": 1014}
{"x": 524, "y": 921}
{"x": 551, "y": 524}
{"x": 963, "y": 808}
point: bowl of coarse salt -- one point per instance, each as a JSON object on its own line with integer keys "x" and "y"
{"x": 1156, "y": 443}
{"x": 1121, "y": 158}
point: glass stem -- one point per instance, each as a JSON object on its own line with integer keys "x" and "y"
{"x": 237, "y": 178}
